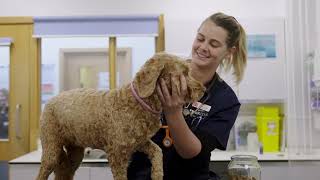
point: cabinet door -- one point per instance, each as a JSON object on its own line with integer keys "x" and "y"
{"x": 14, "y": 86}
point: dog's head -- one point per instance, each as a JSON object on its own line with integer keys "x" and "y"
{"x": 163, "y": 65}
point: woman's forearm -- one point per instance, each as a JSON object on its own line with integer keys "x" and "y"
{"x": 185, "y": 142}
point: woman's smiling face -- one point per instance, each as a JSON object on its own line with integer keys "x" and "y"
{"x": 209, "y": 47}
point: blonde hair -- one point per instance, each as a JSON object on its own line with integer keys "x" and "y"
{"x": 236, "y": 38}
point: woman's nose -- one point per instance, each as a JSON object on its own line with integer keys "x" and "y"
{"x": 204, "y": 47}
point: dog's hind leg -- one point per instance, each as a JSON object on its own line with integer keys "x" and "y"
{"x": 63, "y": 170}
{"x": 75, "y": 155}
{"x": 154, "y": 153}
{"x": 49, "y": 161}
{"x": 70, "y": 162}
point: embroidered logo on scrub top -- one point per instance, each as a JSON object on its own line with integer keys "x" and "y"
{"x": 201, "y": 106}
{"x": 196, "y": 113}
{"x": 197, "y": 109}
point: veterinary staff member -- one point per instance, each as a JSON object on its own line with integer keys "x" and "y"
{"x": 194, "y": 130}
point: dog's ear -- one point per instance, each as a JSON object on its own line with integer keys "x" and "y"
{"x": 175, "y": 81}
{"x": 146, "y": 79}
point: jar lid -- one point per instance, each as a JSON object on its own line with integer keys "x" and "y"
{"x": 244, "y": 158}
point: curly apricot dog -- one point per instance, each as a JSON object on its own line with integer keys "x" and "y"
{"x": 119, "y": 122}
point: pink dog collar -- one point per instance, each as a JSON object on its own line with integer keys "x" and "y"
{"x": 144, "y": 104}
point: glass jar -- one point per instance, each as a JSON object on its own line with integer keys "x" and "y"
{"x": 244, "y": 167}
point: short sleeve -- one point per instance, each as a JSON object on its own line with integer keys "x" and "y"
{"x": 215, "y": 131}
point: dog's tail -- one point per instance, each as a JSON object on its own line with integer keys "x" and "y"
{"x": 47, "y": 117}
{"x": 49, "y": 125}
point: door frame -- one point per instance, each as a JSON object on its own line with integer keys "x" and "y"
{"x": 65, "y": 51}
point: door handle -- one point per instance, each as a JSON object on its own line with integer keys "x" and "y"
{"x": 17, "y": 123}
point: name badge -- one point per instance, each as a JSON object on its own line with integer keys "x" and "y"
{"x": 201, "y": 106}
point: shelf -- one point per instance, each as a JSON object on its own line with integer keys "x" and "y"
{"x": 261, "y": 101}
{"x": 35, "y": 156}
{"x": 226, "y": 155}
{"x": 217, "y": 155}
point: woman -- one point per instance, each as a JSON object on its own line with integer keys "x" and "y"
{"x": 197, "y": 129}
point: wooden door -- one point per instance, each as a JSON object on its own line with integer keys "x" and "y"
{"x": 15, "y": 63}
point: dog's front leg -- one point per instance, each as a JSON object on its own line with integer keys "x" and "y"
{"x": 154, "y": 153}
{"x": 119, "y": 160}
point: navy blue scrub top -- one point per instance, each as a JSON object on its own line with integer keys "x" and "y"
{"x": 212, "y": 128}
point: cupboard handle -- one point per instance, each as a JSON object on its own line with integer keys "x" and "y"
{"x": 17, "y": 123}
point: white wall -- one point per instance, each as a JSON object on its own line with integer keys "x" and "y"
{"x": 173, "y": 8}
{"x": 182, "y": 17}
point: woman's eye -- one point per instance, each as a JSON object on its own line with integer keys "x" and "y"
{"x": 214, "y": 45}
{"x": 200, "y": 39}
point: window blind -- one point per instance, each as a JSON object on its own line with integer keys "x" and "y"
{"x": 96, "y": 26}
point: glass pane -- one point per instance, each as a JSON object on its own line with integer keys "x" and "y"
{"x": 142, "y": 48}
{"x": 4, "y": 91}
{"x": 69, "y": 63}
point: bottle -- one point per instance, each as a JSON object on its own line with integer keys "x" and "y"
{"x": 253, "y": 142}
{"x": 244, "y": 167}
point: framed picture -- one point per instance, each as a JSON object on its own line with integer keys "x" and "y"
{"x": 261, "y": 46}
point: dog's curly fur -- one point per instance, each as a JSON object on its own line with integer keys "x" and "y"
{"x": 113, "y": 121}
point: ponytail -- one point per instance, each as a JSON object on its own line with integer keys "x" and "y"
{"x": 239, "y": 58}
{"x": 236, "y": 38}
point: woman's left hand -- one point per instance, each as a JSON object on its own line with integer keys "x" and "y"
{"x": 172, "y": 102}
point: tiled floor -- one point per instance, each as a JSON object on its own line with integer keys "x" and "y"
{"x": 3, "y": 170}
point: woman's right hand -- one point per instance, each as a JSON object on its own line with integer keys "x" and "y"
{"x": 172, "y": 102}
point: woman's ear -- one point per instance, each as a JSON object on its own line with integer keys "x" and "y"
{"x": 230, "y": 52}
{"x": 146, "y": 79}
